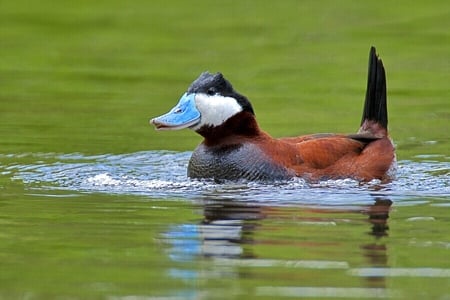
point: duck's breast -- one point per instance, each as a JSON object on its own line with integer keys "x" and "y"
{"x": 238, "y": 161}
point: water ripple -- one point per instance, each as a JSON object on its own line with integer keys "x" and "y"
{"x": 162, "y": 174}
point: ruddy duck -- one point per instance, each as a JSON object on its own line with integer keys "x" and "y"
{"x": 234, "y": 147}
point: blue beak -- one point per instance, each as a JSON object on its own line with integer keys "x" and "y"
{"x": 183, "y": 115}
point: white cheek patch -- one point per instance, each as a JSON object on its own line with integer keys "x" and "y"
{"x": 215, "y": 110}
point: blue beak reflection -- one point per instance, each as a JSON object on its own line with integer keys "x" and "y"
{"x": 183, "y": 115}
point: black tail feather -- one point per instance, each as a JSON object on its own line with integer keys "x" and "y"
{"x": 375, "y": 107}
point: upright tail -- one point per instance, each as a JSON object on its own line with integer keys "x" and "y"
{"x": 375, "y": 118}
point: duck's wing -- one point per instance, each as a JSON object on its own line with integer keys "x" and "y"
{"x": 319, "y": 151}
{"x": 322, "y": 152}
{"x": 303, "y": 138}
{"x": 361, "y": 137}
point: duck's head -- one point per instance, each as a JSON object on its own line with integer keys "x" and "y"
{"x": 209, "y": 102}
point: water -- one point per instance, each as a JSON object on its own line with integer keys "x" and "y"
{"x": 133, "y": 226}
{"x": 162, "y": 174}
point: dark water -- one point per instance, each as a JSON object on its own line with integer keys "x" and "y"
{"x": 133, "y": 226}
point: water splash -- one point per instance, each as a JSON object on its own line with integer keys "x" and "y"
{"x": 162, "y": 174}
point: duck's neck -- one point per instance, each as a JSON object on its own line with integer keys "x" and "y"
{"x": 241, "y": 125}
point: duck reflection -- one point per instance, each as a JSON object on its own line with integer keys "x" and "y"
{"x": 230, "y": 231}
{"x": 378, "y": 215}
{"x": 376, "y": 252}
{"x": 226, "y": 228}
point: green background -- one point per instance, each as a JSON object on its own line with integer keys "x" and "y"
{"x": 87, "y": 76}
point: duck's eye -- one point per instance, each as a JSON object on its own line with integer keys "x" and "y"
{"x": 211, "y": 91}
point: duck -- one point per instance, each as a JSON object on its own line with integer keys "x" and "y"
{"x": 234, "y": 147}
